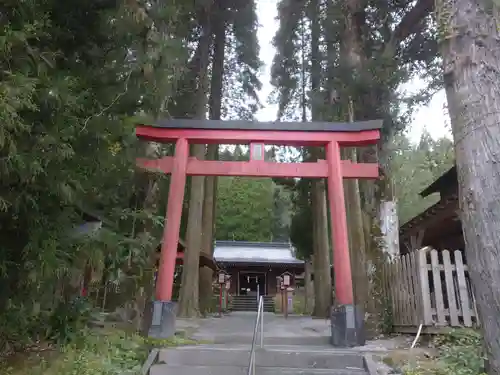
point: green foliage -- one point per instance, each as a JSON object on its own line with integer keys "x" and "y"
{"x": 250, "y": 209}
{"x": 95, "y": 352}
{"x": 244, "y": 209}
{"x": 387, "y": 62}
{"x": 75, "y": 77}
{"x": 461, "y": 352}
{"x": 281, "y": 214}
{"x": 68, "y": 320}
{"x": 72, "y": 78}
{"x": 242, "y": 64}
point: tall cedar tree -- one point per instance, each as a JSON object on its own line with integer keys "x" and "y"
{"x": 470, "y": 46}
{"x": 215, "y": 107}
{"x": 385, "y": 60}
{"x": 189, "y": 292}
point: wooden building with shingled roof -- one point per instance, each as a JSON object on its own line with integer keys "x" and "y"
{"x": 439, "y": 226}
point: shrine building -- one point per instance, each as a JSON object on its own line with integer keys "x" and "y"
{"x": 255, "y": 268}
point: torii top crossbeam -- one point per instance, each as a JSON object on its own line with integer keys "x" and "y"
{"x": 360, "y": 133}
{"x": 332, "y": 136}
{"x": 258, "y": 134}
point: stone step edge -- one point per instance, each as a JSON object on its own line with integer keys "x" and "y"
{"x": 271, "y": 349}
{"x": 280, "y": 370}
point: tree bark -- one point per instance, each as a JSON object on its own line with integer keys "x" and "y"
{"x": 352, "y": 56}
{"x": 209, "y": 202}
{"x": 322, "y": 271}
{"x": 144, "y": 284}
{"x": 470, "y": 47}
{"x": 309, "y": 287}
{"x": 189, "y": 292}
{"x": 321, "y": 243}
{"x": 357, "y": 246}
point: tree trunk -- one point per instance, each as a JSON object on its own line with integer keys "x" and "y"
{"x": 357, "y": 246}
{"x": 322, "y": 271}
{"x": 309, "y": 287}
{"x": 470, "y": 47}
{"x": 352, "y": 57}
{"x": 364, "y": 225}
{"x": 143, "y": 276}
{"x": 377, "y": 196}
{"x": 209, "y": 202}
{"x": 189, "y": 292}
{"x": 321, "y": 243}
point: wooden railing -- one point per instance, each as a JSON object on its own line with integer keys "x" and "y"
{"x": 430, "y": 288}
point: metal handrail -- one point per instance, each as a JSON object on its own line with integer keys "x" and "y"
{"x": 258, "y": 322}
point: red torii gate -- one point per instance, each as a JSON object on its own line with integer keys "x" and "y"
{"x": 332, "y": 136}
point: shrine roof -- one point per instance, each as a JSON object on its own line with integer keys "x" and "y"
{"x": 446, "y": 185}
{"x": 255, "y": 252}
{"x": 314, "y": 126}
{"x": 441, "y": 211}
{"x": 449, "y": 178}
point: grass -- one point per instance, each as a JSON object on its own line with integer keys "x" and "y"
{"x": 458, "y": 352}
{"x": 95, "y": 352}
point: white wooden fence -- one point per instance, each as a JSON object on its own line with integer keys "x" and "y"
{"x": 430, "y": 288}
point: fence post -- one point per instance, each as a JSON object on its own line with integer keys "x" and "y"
{"x": 417, "y": 291}
{"x": 424, "y": 287}
{"x": 450, "y": 288}
{"x": 462, "y": 287}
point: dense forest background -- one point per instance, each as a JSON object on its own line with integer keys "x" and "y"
{"x": 75, "y": 211}
{"x": 76, "y": 76}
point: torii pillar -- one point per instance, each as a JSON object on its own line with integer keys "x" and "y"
{"x": 347, "y": 319}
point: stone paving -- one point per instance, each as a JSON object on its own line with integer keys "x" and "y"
{"x": 301, "y": 335}
{"x": 237, "y": 329}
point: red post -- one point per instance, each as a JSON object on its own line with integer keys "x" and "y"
{"x": 226, "y": 291}
{"x": 166, "y": 270}
{"x": 285, "y": 297}
{"x": 282, "y": 302}
{"x": 338, "y": 219}
{"x": 226, "y": 296}
{"x": 220, "y": 299}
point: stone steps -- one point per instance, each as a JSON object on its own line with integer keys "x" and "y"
{"x": 289, "y": 340}
{"x": 238, "y": 370}
{"x": 227, "y": 360}
{"x": 249, "y": 303}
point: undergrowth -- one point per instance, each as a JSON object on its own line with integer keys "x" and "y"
{"x": 460, "y": 352}
{"x": 94, "y": 352}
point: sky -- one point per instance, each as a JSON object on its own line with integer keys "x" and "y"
{"x": 431, "y": 117}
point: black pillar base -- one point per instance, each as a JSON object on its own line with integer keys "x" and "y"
{"x": 163, "y": 320}
{"x": 347, "y": 322}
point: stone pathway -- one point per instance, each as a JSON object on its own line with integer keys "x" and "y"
{"x": 294, "y": 346}
{"x": 297, "y": 333}
{"x": 241, "y": 324}
{"x": 237, "y": 328}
